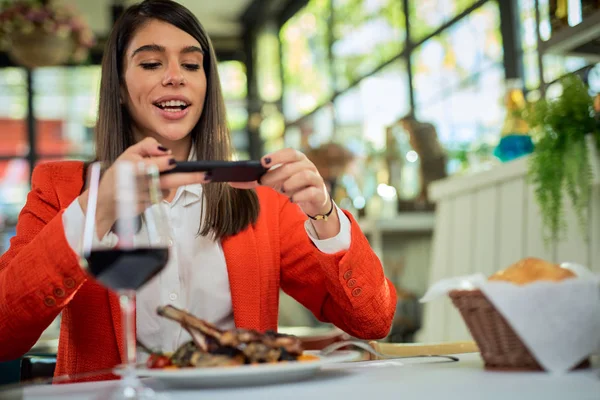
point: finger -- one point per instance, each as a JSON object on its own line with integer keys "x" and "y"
{"x": 275, "y": 177}
{"x": 148, "y": 147}
{"x": 243, "y": 185}
{"x": 172, "y": 181}
{"x": 315, "y": 197}
{"x": 300, "y": 181}
{"x": 163, "y": 163}
{"x": 282, "y": 157}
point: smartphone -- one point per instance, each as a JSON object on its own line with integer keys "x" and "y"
{"x": 223, "y": 171}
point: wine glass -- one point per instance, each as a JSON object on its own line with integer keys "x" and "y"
{"x": 125, "y": 245}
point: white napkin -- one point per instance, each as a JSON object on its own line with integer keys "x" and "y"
{"x": 559, "y": 322}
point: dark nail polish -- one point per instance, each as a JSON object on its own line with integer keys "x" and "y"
{"x": 268, "y": 160}
{"x": 162, "y": 148}
{"x": 291, "y": 199}
{"x": 282, "y": 190}
{"x": 207, "y": 175}
{"x": 172, "y": 161}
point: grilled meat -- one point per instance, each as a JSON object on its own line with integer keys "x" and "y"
{"x": 257, "y": 352}
{"x": 192, "y": 324}
{"x": 188, "y": 355}
{"x": 211, "y": 346}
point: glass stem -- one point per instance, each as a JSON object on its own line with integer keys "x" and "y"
{"x": 127, "y": 301}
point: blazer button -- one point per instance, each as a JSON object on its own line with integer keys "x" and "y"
{"x": 351, "y": 283}
{"x": 49, "y": 301}
{"x": 59, "y": 292}
{"x": 348, "y": 274}
{"x": 356, "y": 292}
{"x": 69, "y": 283}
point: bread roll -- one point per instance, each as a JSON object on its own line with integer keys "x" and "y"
{"x": 530, "y": 270}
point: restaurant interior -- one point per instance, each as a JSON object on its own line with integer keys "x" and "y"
{"x": 419, "y": 114}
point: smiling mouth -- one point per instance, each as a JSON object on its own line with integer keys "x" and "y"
{"x": 172, "y": 105}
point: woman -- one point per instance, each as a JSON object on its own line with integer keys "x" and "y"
{"x": 160, "y": 101}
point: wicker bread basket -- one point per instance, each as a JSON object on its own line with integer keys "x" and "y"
{"x": 500, "y": 347}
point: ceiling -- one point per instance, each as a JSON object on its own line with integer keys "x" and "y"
{"x": 221, "y": 18}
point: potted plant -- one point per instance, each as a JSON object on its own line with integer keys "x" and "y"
{"x": 38, "y": 33}
{"x": 565, "y": 131}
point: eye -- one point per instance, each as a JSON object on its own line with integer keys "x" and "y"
{"x": 192, "y": 67}
{"x": 150, "y": 65}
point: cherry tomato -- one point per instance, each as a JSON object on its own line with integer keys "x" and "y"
{"x": 158, "y": 361}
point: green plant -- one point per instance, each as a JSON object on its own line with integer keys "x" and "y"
{"x": 560, "y": 162}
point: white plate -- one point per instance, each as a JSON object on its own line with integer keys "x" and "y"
{"x": 244, "y": 375}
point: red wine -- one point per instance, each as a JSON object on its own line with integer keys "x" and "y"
{"x": 126, "y": 268}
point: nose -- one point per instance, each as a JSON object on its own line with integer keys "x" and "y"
{"x": 173, "y": 75}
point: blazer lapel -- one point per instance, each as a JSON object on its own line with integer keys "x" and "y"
{"x": 241, "y": 256}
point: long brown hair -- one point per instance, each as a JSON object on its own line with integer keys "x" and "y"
{"x": 228, "y": 210}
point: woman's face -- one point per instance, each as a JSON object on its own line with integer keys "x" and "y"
{"x": 165, "y": 83}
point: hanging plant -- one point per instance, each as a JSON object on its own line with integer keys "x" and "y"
{"x": 38, "y": 33}
{"x": 560, "y": 163}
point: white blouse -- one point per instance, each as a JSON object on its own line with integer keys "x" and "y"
{"x": 195, "y": 277}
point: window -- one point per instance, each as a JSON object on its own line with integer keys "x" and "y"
{"x": 456, "y": 60}
{"x": 66, "y": 109}
{"x": 268, "y": 78}
{"x": 13, "y": 112}
{"x": 272, "y": 128}
{"x": 528, "y": 34}
{"x": 554, "y": 66}
{"x": 268, "y": 74}
{"x": 367, "y": 33}
{"x": 312, "y": 130}
{"x": 234, "y": 86}
{"x": 459, "y": 84}
{"x": 470, "y": 117}
{"x": 428, "y": 15}
{"x": 363, "y": 116}
{"x": 306, "y": 76}
{"x": 445, "y": 61}
{"x": 364, "y": 112}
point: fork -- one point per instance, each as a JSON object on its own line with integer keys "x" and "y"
{"x": 338, "y": 345}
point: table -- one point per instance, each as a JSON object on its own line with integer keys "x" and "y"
{"x": 389, "y": 379}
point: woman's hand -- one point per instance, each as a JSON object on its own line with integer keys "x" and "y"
{"x": 149, "y": 152}
{"x": 294, "y": 175}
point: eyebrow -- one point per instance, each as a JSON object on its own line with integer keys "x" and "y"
{"x": 161, "y": 49}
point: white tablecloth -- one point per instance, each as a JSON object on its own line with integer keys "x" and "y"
{"x": 419, "y": 379}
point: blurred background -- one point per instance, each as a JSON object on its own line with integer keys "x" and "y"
{"x": 385, "y": 96}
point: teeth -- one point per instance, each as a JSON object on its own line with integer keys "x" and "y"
{"x": 172, "y": 103}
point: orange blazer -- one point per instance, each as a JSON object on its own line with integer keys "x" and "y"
{"x": 40, "y": 277}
